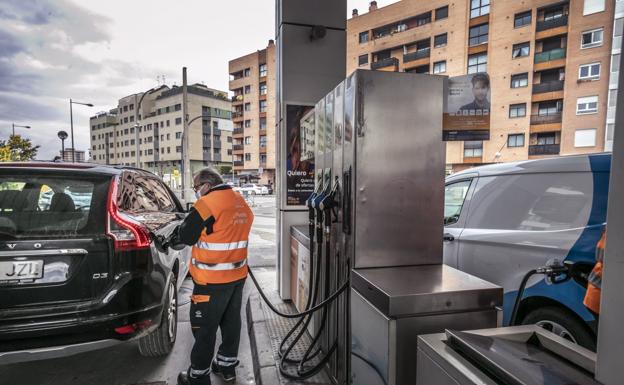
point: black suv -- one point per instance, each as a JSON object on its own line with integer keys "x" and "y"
{"x": 78, "y": 269}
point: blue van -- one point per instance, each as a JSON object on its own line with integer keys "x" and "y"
{"x": 505, "y": 219}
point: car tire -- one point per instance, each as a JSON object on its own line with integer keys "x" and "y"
{"x": 563, "y": 323}
{"x": 160, "y": 342}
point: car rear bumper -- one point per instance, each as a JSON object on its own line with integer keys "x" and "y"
{"x": 54, "y": 352}
{"x": 61, "y": 337}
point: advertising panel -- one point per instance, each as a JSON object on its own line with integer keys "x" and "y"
{"x": 467, "y": 114}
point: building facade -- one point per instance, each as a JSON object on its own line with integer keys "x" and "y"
{"x": 78, "y": 155}
{"x": 150, "y": 136}
{"x": 549, "y": 63}
{"x": 252, "y": 80}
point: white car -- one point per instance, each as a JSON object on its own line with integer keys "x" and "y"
{"x": 252, "y": 189}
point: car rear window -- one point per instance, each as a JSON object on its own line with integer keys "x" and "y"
{"x": 51, "y": 204}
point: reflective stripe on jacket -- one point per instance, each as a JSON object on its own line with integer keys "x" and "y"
{"x": 594, "y": 281}
{"x": 220, "y": 256}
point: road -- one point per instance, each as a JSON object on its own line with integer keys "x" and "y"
{"x": 122, "y": 364}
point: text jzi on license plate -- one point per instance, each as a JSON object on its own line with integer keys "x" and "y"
{"x": 20, "y": 270}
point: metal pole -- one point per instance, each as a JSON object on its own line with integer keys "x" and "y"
{"x": 63, "y": 149}
{"x": 186, "y": 177}
{"x": 13, "y": 125}
{"x": 71, "y": 123}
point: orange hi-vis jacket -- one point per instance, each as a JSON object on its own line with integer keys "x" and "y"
{"x": 594, "y": 284}
{"x": 221, "y": 255}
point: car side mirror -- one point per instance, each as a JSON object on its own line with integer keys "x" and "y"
{"x": 189, "y": 205}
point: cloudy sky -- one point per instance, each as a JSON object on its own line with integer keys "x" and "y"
{"x": 97, "y": 51}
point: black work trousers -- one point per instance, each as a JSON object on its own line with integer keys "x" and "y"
{"x": 212, "y": 307}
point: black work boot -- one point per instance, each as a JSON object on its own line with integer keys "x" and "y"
{"x": 228, "y": 373}
{"x": 185, "y": 378}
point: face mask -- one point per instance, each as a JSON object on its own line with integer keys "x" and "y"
{"x": 198, "y": 194}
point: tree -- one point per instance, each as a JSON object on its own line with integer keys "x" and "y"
{"x": 17, "y": 149}
{"x": 225, "y": 169}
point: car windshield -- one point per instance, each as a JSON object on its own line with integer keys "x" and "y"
{"x": 41, "y": 205}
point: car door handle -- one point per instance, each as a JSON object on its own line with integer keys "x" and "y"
{"x": 448, "y": 237}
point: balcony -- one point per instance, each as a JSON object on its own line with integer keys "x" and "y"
{"x": 552, "y": 86}
{"x": 554, "y": 54}
{"x": 544, "y": 25}
{"x": 387, "y": 62}
{"x": 544, "y": 149}
{"x": 216, "y": 158}
{"x": 263, "y": 149}
{"x": 237, "y": 131}
{"x": 420, "y": 54}
{"x": 554, "y": 117}
{"x": 262, "y": 131}
{"x": 216, "y": 144}
{"x": 236, "y": 114}
{"x": 237, "y": 147}
{"x": 239, "y": 163}
{"x": 237, "y": 98}
{"x": 216, "y": 131}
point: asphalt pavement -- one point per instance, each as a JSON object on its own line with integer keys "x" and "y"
{"x": 123, "y": 365}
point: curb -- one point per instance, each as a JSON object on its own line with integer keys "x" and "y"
{"x": 265, "y": 371}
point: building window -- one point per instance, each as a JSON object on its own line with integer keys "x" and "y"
{"x": 545, "y": 139}
{"x": 263, "y": 70}
{"x": 593, "y": 38}
{"x": 521, "y": 50}
{"x": 263, "y": 123}
{"x": 520, "y": 80}
{"x": 473, "y": 149}
{"x": 178, "y": 149}
{"x": 247, "y": 157}
{"x": 593, "y": 6}
{"x": 517, "y": 110}
{"x": 247, "y": 106}
{"x": 263, "y": 141}
{"x": 363, "y": 37}
{"x": 589, "y": 71}
{"x": 177, "y": 107}
{"x": 440, "y": 40}
{"x": 477, "y": 63}
{"x": 478, "y": 34}
{"x": 229, "y": 139}
{"x": 125, "y": 108}
{"x": 248, "y": 140}
{"x": 363, "y": 60}
{"x": 247, "y": 89}
{"x": 178, "y": 121}
{"x": 439, "y": 67}
{"x": 247, "y": 72}
{"x": 479, "y": 8}
{"x": 178, "y": 135}
{"x": 615, "y": 63}
{"x": 263, "y": 158}
{"x": 168, "y": 123}
{"x": 247, "y": 123}
{"x": 263, "y": 106}
{"x": 522, "y": 19}
{"x": 587, "y": 105}
{"x": 441, "y": 13}
{"x": 585, "y": 138}
{"x": 613, "y": 98}
{"x": 610, "y": 128}
{"x": 126, "y": 119}
{"x": 515, "y": 140}
{"x": 263, "y": 88}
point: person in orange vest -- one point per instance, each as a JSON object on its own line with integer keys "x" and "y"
{"x": 594, "y": 281}
{"x": 218, "y": 228}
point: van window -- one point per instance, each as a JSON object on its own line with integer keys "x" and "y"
{"x": 454, "y": 197}
{"x": 532, "y": 202}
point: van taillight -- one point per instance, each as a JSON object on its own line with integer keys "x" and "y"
{"x": 127, "y": 233}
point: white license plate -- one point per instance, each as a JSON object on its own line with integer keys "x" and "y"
{"x": 20, "y": 270}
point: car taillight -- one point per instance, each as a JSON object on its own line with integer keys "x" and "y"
{"x": 127, "y": 233}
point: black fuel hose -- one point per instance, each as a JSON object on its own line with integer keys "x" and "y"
{"x": 514, "y": 313}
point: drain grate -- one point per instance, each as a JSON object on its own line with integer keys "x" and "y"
{"x": 278, "y": 327}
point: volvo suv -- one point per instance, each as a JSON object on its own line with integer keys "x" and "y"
{"x": 78, "y": 268}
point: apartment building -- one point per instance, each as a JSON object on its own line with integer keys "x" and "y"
{"x": 549, "y": 63}
{"x": 69, "y": 155}
{"x": 616, "y": 50}
{"x": 252, "y": 80}
{"x": 145, "y": 130}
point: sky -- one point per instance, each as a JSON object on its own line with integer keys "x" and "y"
{"x": 97, "y": 51}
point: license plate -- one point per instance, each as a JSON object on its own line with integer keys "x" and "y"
{"x": 20, "y": 270}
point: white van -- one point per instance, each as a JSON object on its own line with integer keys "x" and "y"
{"x": 503, "y": 220}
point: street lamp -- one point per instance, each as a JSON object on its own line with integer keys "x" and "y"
{"x": 71, "y": 122}
{"x": 136, "y": 125}
{"x": 62, "y": 136}
{"x": 13, "y": 125}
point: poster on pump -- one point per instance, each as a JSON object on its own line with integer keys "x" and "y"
{"x": 467, "y": 108}
{"x": 299, "y": 154}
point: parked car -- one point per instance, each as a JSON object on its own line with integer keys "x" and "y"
{"x": 253, "y": 189}
{"x": 503, "y": 220}
{"x": 78, "y": 270}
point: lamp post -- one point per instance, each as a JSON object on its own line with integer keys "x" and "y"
{"x": 13, "y": 125}
{"x": 71, "y": 123}
{"x": 138, "y": 117}
{"x": 62, "y": 136}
